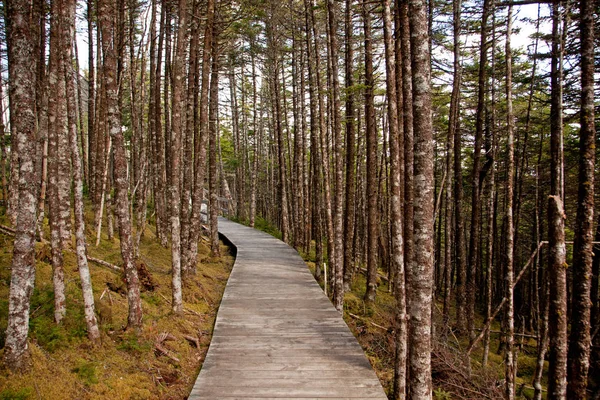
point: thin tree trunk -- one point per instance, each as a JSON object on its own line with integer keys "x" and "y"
{"x": 201, "y": 141}
{"x": 212, "y": 152}
{"x": 338, "y": 234}
{"x": 177, "y": 131}
{"x": 509, "y": 362}
{"x": 106, "y": 8}
{"x": 580, "y": 341}
{"x": 57, "y": 130}
{"x": 21, "y": 72}
{"x": 350, "y": 152}
{"x": 397, "y": 258}
{"x": 371, "y": 135}
{"x": 81, "y": 251}
{"x": 421, "y": 271}
{"x": 476, "y": 175}
{"x": 557, "y": 274}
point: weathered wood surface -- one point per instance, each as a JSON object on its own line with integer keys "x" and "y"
{"x": 277, "y": 336}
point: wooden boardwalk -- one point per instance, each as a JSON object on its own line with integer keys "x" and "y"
{"x": 277, "y": 336}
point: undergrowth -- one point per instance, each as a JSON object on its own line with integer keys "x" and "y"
{"x": 124, "y": 365}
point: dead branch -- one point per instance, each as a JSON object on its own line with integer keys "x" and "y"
{"x": 7, "y": 231}
{"x": 365, "y": 271}
{"x": 372, "y": 323}
{"x": 193, "y": 340}
{"x": 160, "y": 349}
{"x": 504, "y": 299}
{"x": 105, "y": 264}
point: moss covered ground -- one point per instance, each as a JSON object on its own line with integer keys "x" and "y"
{"x": 125, "y": 365}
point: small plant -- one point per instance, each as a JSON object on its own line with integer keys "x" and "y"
{"x": 131, "y": 343}
{"x": 441, "y": 394}
{"x": 86, "y": 371}
{"x": 12, "y": 394}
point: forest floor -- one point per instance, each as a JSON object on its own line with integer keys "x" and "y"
{"x": 453, "y": 377}
{"x": 125, "y": 365}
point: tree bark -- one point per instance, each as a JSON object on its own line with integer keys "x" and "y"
{"x": 397, "y": 257}
{"x": 421, "y": 271}
{"x": 106, "y": 8}
{"x": 21, "y": 72}
{"x": 201, "y": 141}
{"x": 580, "y": 339}
{"x": 371, "y": 138}
{"x": 82, "y": 262}
{"x": 557, "y": 267}
{"x": 338, "y": 197}
{"x": 509, "y": 362}
{"x": 213, "y": 132}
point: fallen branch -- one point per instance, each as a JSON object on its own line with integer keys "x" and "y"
{"x": 165, "y": 352}
{"x": 160, "y": 349}
{"x": 523, "y": 335}
{"x": 369, "y": 322}
{"x": 105, "y": 264}
{"x": 504, "y": 299}
{"x": 7, "y": 231}
{"x": 365, "y": 271}
{"x": 193, "y": 340}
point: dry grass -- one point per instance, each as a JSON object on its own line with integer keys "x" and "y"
{"x": 64, "y": 364}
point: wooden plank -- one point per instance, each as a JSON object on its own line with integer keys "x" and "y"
{"x": 277, "y": 335}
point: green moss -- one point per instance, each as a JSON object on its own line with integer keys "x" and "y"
{"x": 16, "y": 394}
{"x": 86, "y": 371}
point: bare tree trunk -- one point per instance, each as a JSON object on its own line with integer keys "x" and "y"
{"x": 213, "y": 133}
{"x": 106, "y": 8}
{"x": 580, "y": 341}
{"x": 421, "y": 272}
{"x": 314, "y": 146}
{"x": 21, "y": 72}
{"x": 371, "y": 135}
{"x": 91, "y": 97}
{"x": 57, "y": 130}
{"x": 557, "y": 274}
{"x": 201, "y": 141}
{"x": 453, "y": 148}
{"x": 397, "y": 258}
{"x": 82, "y": 263}
{"x": 407, "y": 94}
{"x": 338, "y": 197}
{"x": 476, "y": 175}
{"x": 191, "y": 133}
{"x": 177, "y": 131}
{"x": 509, "y": 362}
{"x": 323, "y": 143}
{"x": 350, "y": 152}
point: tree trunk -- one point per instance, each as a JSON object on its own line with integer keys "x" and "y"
{"x": 580, "y": 340}
{"x": 350, "y": 152}
{"x": 213, "y": 132}
{"x": 57, "y": 131}
{"x": 177, "y": 131}
{"x": 21, "y": 72}
{"x": 476, "y": 175}
{"x": 397, "y": 257}
{"x": 509, "y": 362}
{"x": 201, "y": 141}
{"x": 371, "y": 135}
{"x": 106, "y": 8}
{"x": 421, "y": 271}
{"x": 557, "y": 272}
{"x": 338, "y": 234}
{"x": 81, "y": 251}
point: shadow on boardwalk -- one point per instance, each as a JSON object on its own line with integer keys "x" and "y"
{"x": 276, "y": 334}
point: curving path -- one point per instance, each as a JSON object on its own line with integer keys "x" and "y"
{"x": 277, "y": 336}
